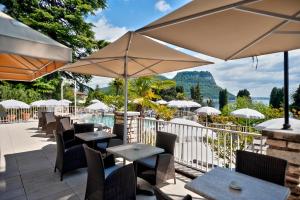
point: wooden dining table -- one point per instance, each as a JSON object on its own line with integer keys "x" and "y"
{"x": 218, "y": 185}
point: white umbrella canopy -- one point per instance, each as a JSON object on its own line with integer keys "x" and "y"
{"x": 7, "y": 104}
{"x": 143, "y": 56}
{"x": 46, "y": 103}
{"x": 183, "y": 104}
{"x": 231, "y": 29}
{"x": 161, "y": 102}
{"x": 247, "y": 113}
{"x": 27, "y": 54}
{"x": 206, "y": 110}
{"x": 100, "y": 106}
{"x": 277, "y": 124}
{"x": 64, "y": 102}
{"x": 95, "y": 101}
{"x": 38, "y": 103}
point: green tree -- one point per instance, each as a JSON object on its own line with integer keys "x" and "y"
{"x": 62, "y": 20}
{"x": 197, "y": 94}
{"x": 95, "y": 94}
{"x": 296, "y": 98}
{"x": 244, "y": 93}
{"x": 117, "y": 85}
{"x": 179, "y": 89}
{"x": 223, "y": 98}
{"x": 210, "y": 102}
{"x": 192, "y": 89}
{"x": 276, "y": 97}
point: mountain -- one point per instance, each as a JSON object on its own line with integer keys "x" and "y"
{"x": 208, "y": 86}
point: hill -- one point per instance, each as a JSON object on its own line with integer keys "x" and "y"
{"x": 208, "y": 85}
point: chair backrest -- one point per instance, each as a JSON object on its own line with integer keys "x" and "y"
{"x": 118, "y": 130}
{"x": 50, "y": 117}
{"x": 65, "y": 123}
{"x": 40, "y": 114}
{"x": 121, "y": 184}
{"x": 82, "y": 128}
{"x": 166, "y": 141}
{"x": 264, "y": 167}
{"x": 96, "y": 175}
{"x": 162, "y": 196}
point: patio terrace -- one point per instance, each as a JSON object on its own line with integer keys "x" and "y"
{"x": 27, "y": 163}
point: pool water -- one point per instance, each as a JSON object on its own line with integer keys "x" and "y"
{"x": 108, "y": 120}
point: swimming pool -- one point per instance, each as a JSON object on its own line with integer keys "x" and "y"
{"x": 108, "y": 120}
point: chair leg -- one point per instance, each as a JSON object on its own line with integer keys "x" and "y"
{"x": 174, "y": 180}
{"x": 54, "y": 169}
{"x": 61, "y": 176}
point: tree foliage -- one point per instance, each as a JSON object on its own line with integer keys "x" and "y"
{"x": 276, "y": 97}
{"x": 244, "y": 93}
{"x": 196, "y": 93}
{"x": 223, "y": 98}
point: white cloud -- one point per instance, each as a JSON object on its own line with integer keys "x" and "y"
{"x": 162, "y": 6}
{"x": 106, "y": 31}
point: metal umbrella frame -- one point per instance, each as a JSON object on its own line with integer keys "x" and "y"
{"x": 233, "y": 29}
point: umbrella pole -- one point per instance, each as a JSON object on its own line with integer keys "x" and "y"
{"x": 126, "y": 89}
{"x": 125, "y": 103}
{"x": 75, "y": 99}
{"x": 286, "y": 124}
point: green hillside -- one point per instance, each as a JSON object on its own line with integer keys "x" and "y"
{"x": 208, "y": 86}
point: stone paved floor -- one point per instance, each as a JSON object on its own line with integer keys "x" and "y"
{"x": 26, "y": 169}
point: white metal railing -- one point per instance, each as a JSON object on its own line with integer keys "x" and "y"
{"x": 232, "y": 127}
{"x": 199, "y": 147}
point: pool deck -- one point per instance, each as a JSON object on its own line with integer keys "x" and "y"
{"x": 27, "y": 160}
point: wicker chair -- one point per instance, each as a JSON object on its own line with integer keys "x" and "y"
{"x": 40, "y": 118}
{"x": 68, "y": 159}
{"x": 59, "y": 125}
{"x": 118, "y": 130}
{"x": 43, "y": 119}
{"x": 50, "y": 124}
{"x": 261, "y": 166}
{"x": 67, "y": 132}
{"x": 159, "y": 168}
{"x": 84, "y": 127}
{"x": 162, "y": 196}
{"x": 118, "y": 183}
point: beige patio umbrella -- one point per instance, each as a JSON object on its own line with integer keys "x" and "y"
{"x": 26, "y": 54}
{"x": 133, "y": 55}
{"x": 233, "y": 29}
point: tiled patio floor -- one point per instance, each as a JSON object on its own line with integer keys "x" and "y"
{"x": 26, "y": 168}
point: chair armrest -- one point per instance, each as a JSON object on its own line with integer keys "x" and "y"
{"x": 165, "y": 168}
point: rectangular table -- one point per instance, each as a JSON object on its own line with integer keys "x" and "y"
{"x": 93, "y": 136}
{"x": 134, "y": 151}
{"x": 215, "y": 185}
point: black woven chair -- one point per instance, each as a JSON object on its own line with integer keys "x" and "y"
{"x": 159, "y": 168}
{"x": 83, "y": 128}
{"x": 67, "y": 132}
{"x": 118, "y": 130}
{"x": 68, "y": 159}
{"x": 50, "y": 123}
{"x": 162, "y": 196}
{"x": 117, "y": 182}
{"x": 264, "y": 167}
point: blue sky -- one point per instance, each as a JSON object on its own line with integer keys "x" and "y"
{"x": 123, "y": 15}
